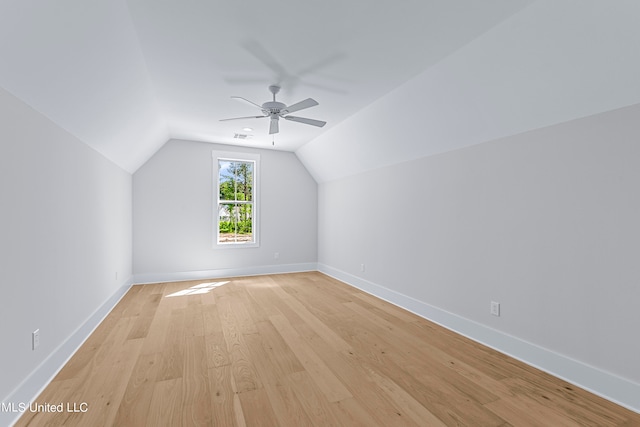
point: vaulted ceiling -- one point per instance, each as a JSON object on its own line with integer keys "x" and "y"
{"x": 124, "y": 76}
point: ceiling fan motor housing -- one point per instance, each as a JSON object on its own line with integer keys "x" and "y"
{"x": 273, "y": 107}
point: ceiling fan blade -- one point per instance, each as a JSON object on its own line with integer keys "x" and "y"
{"x": 246, "y": 80}
{"x": 241, "y": 118}
{"x": 274, "y": 127}
{"x": 325, "y": 88}
{"x": 246, "y": 100}
{"x": 260, "y": 52}
{"x": 306, "y": 121}
{"x": 309, "y": 102}
{"x": 322, "y": 63}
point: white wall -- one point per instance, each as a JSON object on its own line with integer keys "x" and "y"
{"x": 65, "y": 231}
{"x": 552, "y": 62}
{"x": 173, "y": 208}
{"x": 545, "y": 222}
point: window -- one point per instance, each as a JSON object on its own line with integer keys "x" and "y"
{"x": 236, "y": 199}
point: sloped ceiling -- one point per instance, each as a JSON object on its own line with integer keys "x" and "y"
{"x": 395, "y": 79}
{"x": 553, "y": 62}
{"x": 126, "y": 76}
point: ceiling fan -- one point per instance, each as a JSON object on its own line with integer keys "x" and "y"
{"x": 276, "y": 110}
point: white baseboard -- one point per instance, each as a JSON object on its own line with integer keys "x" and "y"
{"x": 29, "y": 389}
{"x": 140, "y": 279}
{"x": 609, "y": 386}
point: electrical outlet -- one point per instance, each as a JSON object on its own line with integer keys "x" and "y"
{"x": 116, "y": 275}
{"x": 362, "y": 267}
{"x": 276, "y": 255}
{"x": 35, "y": 339}
{"x": 495, "y": 308}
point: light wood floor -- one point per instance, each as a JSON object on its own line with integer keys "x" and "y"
{"x": 298, "y": 350}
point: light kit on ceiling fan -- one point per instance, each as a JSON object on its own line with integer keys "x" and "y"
{"x": 275, "y": 110}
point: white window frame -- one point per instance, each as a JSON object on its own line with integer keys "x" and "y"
{"x": 255, "y": 211}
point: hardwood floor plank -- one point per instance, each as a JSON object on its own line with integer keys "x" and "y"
{"x": 526, "y": 412}
{"x": 283, "y": 359}
{"x": 280, "y": 306}
{"x": 211, "y": 319}
{"x": 257, "y": 409}
{"x": 287, "y": 407}
{"x": 313, "y": 399}
{"x": 57, "y": 391}
{"x": 127, "y": 303}
{"x": 238, "y": 304}
{"x": 331, "y": 338}
{"x": 194, "y": 317}
{"x": 165, "y": 409}
{"x": 261, "y": 299}
{"x": 141, "y": 326}
{"x": 263, "y": 362}
{"x": 172, "y": 357}
{"x": 351, "y": 413}
{"x": 392, "y": 310}
{"x": 301, "y": 282}
{"x": 598, "y": 416}
{"x": 414, "y": 409}
{"x": 105, "y": 389}
{"x": 196, "y": 398}
{"x": 295, "y": 350}
{"x": 225, "y": 403}
{"x": 209, "y": 298}
{"x": 244, "y": 372}
{"x": 134, "y": 408}
{"x": 318, "y": 302}
{"x": 154, "y": 342}
{"x": 451, "y": 397}
{"x": 217, "y": 354}
{"x": 366, "y": 392}
{"x": 476, "y": 376}
{"x": 330, "y": 385}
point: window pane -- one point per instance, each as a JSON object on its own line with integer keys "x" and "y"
{"x": 226, "y": 179}
{"x": 236, "y": 180}
{"x": 245, "y": 222}
{"x": 226, "y": 223}
{"x": 235, "y": 223}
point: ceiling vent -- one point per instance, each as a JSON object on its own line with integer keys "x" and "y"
{"x": 241, "y": 136}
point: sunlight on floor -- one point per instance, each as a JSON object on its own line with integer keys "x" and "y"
{"x": 202, "y": 288}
